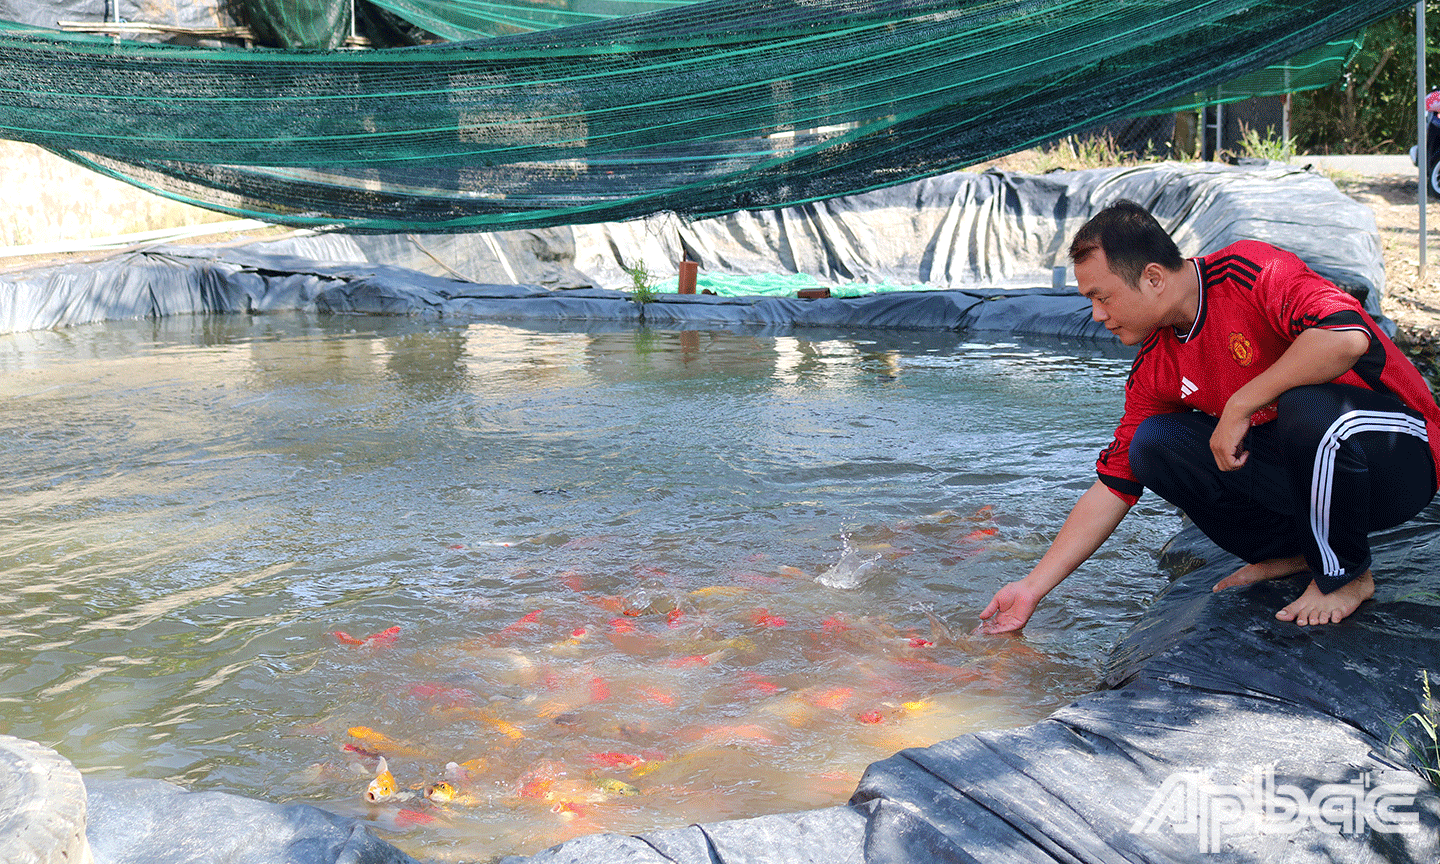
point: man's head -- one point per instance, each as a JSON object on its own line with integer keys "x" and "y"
{"x": 1130, "y": 271}
{"x": 1130, "y": 238}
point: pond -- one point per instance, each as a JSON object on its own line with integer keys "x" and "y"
{"x": 605, "y": 579}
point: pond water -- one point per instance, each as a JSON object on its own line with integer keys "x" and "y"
{"x": 623, "y": 580}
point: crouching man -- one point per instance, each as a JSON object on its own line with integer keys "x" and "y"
{"x": 1263, "y": 402}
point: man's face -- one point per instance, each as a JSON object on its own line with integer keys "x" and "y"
{"x": 1128, "y": 312}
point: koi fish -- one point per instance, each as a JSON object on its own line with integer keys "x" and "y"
{"x": 754, "y": 681}
{"x": 379, "y": 742}
{"x": 599, "y": 689}
{"x": 382, "y": 639}
{"x": 611, "y": 786}
{"x": 444, "y": 792}
{"x": 939, "y": 633}
{"x": 763, "y": 618}
{"x": 412, "y": 817}
{"x": 383, "y": 787}
{"x": 656, "y": 695}
{"x": 509, "y": 730}
{"x": 615, "y": 760}
{"x": 834, "y": 697}
{"x": 697, "y": 660}
{"x": 522, "y": 624}
{"x": 719, "y": 591}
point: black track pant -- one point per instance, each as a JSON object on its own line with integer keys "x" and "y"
{"x": 1338, "y": 463}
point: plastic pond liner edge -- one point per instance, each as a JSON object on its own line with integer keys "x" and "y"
{"x": 986, "y": 246}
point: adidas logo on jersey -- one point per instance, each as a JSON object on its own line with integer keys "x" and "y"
{"x": 1187, "y": 387}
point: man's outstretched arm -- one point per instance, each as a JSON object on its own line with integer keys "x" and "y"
{"x": 1091, "y": 522}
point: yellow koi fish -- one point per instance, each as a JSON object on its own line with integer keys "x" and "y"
{"x": 381, "y": 743}
{"x": 383, "y": 787}
{"x": 445, "y": 793}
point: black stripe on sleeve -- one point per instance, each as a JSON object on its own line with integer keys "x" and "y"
{"x": 1371, "y": 365}
{"x": 1123, "y": 486}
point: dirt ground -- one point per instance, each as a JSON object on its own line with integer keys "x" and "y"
{"x": 1411, "y": 302}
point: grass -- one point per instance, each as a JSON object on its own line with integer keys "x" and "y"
{"x": 1425, "y": 747}
{"x": 1267, "y": 146}
{"x": 642, "y": 283}
{"x": 1084, "y": 152}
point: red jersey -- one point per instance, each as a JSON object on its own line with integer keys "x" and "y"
{"x": 1255, "y": 300}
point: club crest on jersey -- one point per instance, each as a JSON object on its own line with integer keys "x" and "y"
{"x": 1241, "y": 349}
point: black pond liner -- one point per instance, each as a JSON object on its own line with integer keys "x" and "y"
{"x": 986, "y": 243}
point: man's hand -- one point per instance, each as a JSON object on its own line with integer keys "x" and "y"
{"x": 1009, "y": 609}
{"x": 1090, "y": 522}
{"x": 1315, "y": 357}
{"x": 1228, "y": 441}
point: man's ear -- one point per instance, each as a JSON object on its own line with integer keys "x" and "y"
{"x": 1153, "y": 276}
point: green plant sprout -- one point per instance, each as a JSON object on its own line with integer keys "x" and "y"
{"x": 1427, "y": 750}
{"x": 642, "y": 288}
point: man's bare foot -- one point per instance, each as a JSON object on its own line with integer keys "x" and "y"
{"x": 1273, "y": 568}
{"x": 1313, "y": 607}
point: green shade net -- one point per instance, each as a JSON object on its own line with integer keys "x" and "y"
{"x": 701, "y": 109}
{"x": 459, "y": 20}
{"x": 1308, "y": 70}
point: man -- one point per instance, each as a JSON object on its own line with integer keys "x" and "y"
{"x": 1263, "y": 401}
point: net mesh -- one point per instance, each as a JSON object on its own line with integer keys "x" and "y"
{"x": 700, "y": 108}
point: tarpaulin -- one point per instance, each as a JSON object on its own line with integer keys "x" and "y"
{"x": 966, "y": 242}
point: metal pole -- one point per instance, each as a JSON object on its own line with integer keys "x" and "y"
{"x": 1422, "y": 151}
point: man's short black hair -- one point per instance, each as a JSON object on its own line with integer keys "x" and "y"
{"x": 1130, "y": 238}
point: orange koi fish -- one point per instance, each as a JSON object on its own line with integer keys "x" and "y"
{"x": 754, "y": 681}
{"x": 763, "y": 618}
{"x": 599, "y": 689}
{"x": 509, "y": 730}
{"x": 382, "y": 639}
{"x": 656, "y": 695}
{"x": 522, "y": 624}
{"x": 835, "y": 697}
{"x": 615, "y": 760}
{"x": 379, "y": 742}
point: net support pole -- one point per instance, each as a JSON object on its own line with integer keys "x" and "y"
{"x": 1422, "y": 158}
